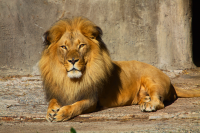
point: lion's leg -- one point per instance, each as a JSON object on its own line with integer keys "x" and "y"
{"x": 53, "y": 108}
{"x": 69, "y": 111}
{"x": 150, "y": 98}
{"x": 152, "y": 104}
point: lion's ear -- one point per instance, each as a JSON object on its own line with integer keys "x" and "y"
{"x": 54, "y": 34}
{"x": 100, "y": 33}
{"x": 93, "y": 32}
{"x": 46, "y": 39}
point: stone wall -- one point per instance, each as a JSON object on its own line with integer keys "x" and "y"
{"x": 157, "y": 32}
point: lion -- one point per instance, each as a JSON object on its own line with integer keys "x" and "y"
{"x": 80, "y": 77}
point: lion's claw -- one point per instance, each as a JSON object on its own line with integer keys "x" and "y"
{"x": 147, "y": 107}
{"x": 52, "y": 113}
{"x": 55, "y": 110}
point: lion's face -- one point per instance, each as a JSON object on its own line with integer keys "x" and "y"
{"x": 72, "y": 51}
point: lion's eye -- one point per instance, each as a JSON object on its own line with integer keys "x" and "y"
{"x": 64, "y": 47}
{"x": 82, "y": 45}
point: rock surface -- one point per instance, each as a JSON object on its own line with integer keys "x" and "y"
{"x": 157, "y": 32}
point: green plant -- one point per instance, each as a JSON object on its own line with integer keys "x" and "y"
{"x": 72, "y": 130}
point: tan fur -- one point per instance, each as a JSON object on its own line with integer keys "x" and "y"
{"x": 79, "y": 76}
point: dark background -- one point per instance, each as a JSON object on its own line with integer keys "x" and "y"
{"x": 195, "y": 32}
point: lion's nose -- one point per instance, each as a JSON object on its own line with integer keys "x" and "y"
{"x": 73, "y": 61}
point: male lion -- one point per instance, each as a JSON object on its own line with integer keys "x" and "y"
{"x": 79, "y": 75}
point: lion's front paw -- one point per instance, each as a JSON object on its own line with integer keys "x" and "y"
{"x": 52, "y": 112}
{"x": 63, "y": 114}
{"x": 147, "y": 107}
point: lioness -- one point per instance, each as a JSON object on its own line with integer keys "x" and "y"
{"x": 79, "y": 75}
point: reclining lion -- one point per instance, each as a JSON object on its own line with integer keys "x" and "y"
{"x": 79, "y": 75}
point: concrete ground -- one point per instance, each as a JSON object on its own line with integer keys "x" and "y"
{"x": 23, "y": 109}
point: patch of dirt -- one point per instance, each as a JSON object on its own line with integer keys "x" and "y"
{"x": 23, "y": 109}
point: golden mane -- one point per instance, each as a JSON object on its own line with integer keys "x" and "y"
{"x": 56, "y": 83}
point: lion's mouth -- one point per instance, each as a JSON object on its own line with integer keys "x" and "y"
{"x": 74, "y": 73}
{"x": 73, "y": 69}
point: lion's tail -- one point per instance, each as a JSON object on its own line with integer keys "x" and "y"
{"x": 187, "y": 93}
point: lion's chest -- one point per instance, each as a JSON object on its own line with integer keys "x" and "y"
{"x": 68, "y": 96}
